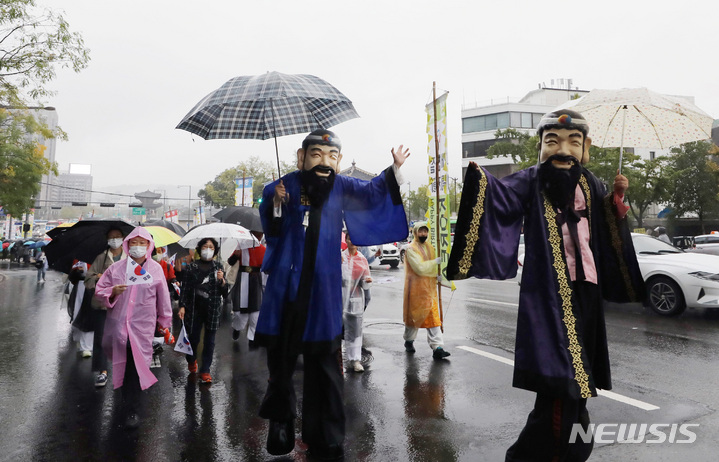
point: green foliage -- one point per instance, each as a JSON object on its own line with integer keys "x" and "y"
{"x": 22, "y": 160}
{"x": 694, "y": 181}
{"x": 34, "y": 42}
{"x": 521, "y": 147}
{"x": 221, "y": 191}
{"x": 649, "y": 183}
{"x": 416, "y": 203}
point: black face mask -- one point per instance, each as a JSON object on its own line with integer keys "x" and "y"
{"x": 318, "y": 188}
{"x": 422, "y": 239}
{"x": 559, "y": 183}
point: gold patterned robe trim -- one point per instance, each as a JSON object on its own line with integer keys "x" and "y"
{"x": 565, "y": 294}
{"x": 473, "y": 234}
{"x": 617, "y": 244}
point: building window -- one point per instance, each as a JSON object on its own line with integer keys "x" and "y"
{"x": 476, "y": 148}
{"x": 652, "y": 154}
{"x": 535, "y": 120}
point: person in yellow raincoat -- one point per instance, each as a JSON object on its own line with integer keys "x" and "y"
{"x": 421, "y": 309}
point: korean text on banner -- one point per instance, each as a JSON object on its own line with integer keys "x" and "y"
{"x": 243, "y": 191}
{"x": 440, "y": 232}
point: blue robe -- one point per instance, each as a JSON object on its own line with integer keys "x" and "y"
{"x": 374, "y": 214}
{"x": 550, "y": 353}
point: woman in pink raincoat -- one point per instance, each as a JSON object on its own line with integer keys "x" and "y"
{"x": 136, "y": 295}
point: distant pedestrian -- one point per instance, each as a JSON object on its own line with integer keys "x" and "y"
{"x": 662, "y": 234}
{"x": 80, "y": 310}
{"x": 421, "y": 307}
{"x": 41, "y": 265}
{"x": 102, "y": 262}
{"x": 203, "y": 286}
{"x": 247, "y": 288}
{"x": 356, "y": 279}
{"x": 135, "y": 292}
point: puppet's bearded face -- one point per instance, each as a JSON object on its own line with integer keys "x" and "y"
{"x": 564, "y": 147}
{"x": 319, "y": 158}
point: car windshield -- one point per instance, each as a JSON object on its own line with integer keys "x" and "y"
{"x": 713, "y": 239}
{"x": 647, "y": 245}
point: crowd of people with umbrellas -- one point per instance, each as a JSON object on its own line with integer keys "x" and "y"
{"x": 141, "y": 271}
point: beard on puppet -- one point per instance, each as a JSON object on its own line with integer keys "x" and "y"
{"x": 319, "y": 162}
{"x": 563, "y": 150}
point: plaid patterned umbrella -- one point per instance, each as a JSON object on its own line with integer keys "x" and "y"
{"x": 266, "y": 106}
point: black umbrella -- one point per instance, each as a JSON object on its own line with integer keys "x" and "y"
{"x": 82, "y": 241}
{"x": 247, "y": 217}
{"x": 174, "y": 227}
{"x": 269, "y": 105}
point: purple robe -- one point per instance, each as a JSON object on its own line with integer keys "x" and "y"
{"x": 550, "y": 353}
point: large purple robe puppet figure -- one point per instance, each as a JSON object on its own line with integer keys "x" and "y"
{"x": 301, "y": 311}
{"x": 578, "y": 252}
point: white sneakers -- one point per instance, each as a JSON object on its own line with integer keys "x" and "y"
{"x": 356, "y": 366}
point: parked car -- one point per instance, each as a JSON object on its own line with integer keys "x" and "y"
{"x": 675, "y": 279}
{"x": 707, "y": 243}
{"x": 389, "y": 256}
{"x": 683, "y": 242}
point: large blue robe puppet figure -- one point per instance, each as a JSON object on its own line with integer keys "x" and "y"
{"x": 578, "y": 251}
{"x": 301, "y": 312}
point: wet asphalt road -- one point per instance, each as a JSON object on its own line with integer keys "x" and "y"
{"x": 403, "y": 408}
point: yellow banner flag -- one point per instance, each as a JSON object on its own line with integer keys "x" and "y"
{"x": 440, "y": 229}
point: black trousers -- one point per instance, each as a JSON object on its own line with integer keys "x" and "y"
{"x": 131, "y": 391}
{"x": 545, "y": 437}
{"x": 99, "y": 358}
{"x": 323, "y": 417}
{"x": 200, "y": 319}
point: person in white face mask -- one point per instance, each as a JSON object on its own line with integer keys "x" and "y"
{"x": 135, "y": 293}
{"x": 203, "y": 286}
{"x": 113, "y": 253}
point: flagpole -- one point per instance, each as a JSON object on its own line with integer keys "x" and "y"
{"x": 437, "y": 208}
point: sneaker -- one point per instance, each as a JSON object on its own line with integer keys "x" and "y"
{"x": 235, "y": 334}
{"x": 356, "y": 366}
{"x": 205, "y": 377}
{"x": 192, "y": 367}
{"x": 440, "y": 353}
{"x": 86, "y": 353}
{"x": 409, "y": 346}
{"x": 101, "y": 379}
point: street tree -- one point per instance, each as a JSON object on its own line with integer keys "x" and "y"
{"x": 22, "y": 159}
{"x": 520, "y": 146}
{"x": 220, "y": 192}
{"x": 416, "y": 203}
{"x": 35, "y": 42}
{"x": 694, "y": 181}
{"x": 649, "y": 183}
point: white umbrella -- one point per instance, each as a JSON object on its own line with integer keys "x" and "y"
{"x": 640, "y": 118}
{"x": 228, "y": 235}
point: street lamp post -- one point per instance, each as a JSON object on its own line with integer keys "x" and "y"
{"x": 189, "y": 202}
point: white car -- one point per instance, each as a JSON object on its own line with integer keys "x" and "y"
{"x": 675, "y": 279}
{"x": 706, "y": 243}
{"x": 389, "y": 256}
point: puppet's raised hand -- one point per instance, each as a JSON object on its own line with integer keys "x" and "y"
{"x": 474, "y": 165}
{"x": 400, "y": 156}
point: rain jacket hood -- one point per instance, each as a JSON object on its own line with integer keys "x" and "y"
{"x": 143, "y": 233}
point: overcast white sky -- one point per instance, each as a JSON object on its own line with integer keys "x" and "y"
{"x": 153, "y": 60}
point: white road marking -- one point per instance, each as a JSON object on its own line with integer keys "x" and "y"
{"x": 607, "y": 394}
{"x": 492, "y": 302}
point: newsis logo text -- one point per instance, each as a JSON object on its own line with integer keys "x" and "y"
{"x": 607, "y": 433}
